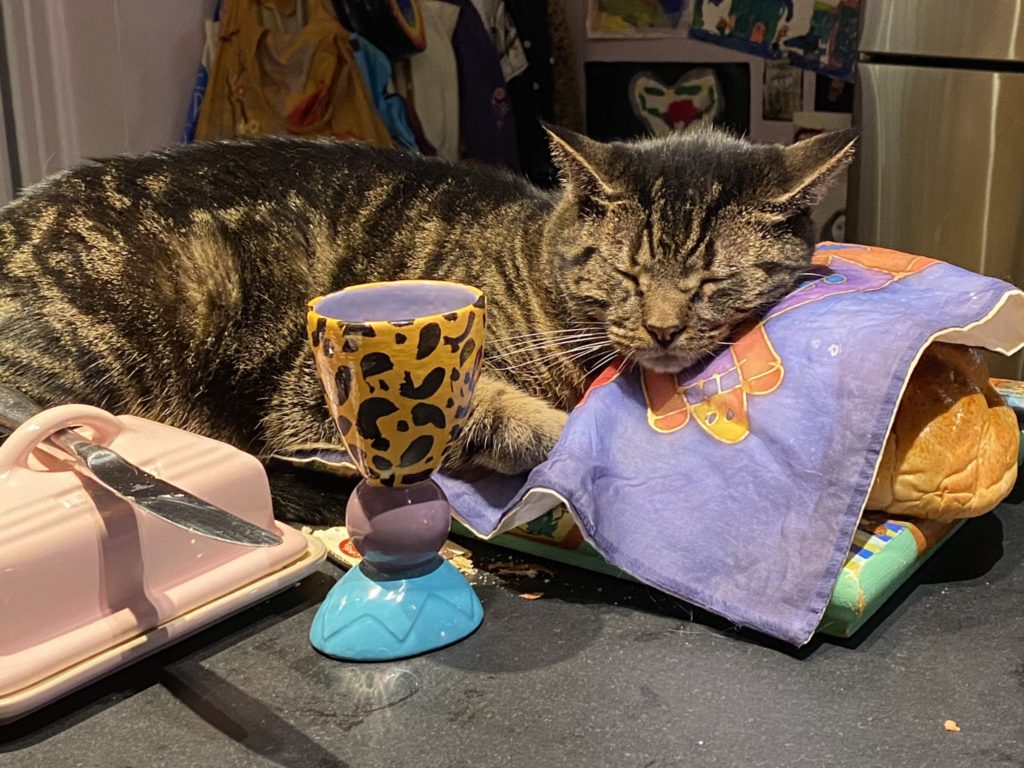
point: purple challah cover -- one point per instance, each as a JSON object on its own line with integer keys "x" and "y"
{"x": 738, "y": 486}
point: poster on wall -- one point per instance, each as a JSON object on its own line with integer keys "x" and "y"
{"x": 631, "y": 99}
{"x": 638, "y": 18}
{"x": 819, "y": 35}
{"x": 832, "y": 95}
{"x": 783, "y": 91}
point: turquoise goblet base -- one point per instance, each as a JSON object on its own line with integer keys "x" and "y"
{"x": 369, "y": 618}
{"x": 403, "y": 599}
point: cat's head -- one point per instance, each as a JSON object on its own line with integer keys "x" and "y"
{"x": 672, "y": 243}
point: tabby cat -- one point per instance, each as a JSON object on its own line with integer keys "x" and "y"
{"x": 174, "y": 285}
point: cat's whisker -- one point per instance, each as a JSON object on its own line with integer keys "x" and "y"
{"x": 580, "y": 324}
{"x": 549, "y": 342}
{"x": 551, "y": 332}
{"x": 527, "y": 338}
{"x": 584, "y": 354}
{"x": 558, "y": 331}
{"x": 547, "y": 346}
{"x": 597, "y": 368}
{"x": 573, "y": 355}
{"x": 604, "y": 361}
{"x": 543, "y": 353}
{"x": 604, "y": 354}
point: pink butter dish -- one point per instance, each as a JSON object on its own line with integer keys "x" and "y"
{"x": 90, "y": 583}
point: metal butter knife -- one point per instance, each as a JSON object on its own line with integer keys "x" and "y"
{"x": 135, "y": 485}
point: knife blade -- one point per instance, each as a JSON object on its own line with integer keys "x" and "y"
{"x": 137, "y": 486}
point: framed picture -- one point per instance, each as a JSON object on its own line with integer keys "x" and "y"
{"x": 832, "y": 95}
{"x": 631, "y": 99}
{"x": 638, "y": 18}
{"x": 783, "y": 90}
{"x": 819, "y": 35}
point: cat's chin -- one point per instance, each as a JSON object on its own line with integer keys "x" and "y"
{"x": 665, "y": 363}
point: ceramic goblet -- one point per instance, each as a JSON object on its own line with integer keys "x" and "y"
{"x": 398, "y": 363}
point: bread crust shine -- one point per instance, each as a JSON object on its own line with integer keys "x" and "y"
{"x": 952, "y": 451}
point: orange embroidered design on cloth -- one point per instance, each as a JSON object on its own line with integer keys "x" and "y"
{"x": 717, "y": 398}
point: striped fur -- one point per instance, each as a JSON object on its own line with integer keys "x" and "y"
{"x": 174, "y": 285}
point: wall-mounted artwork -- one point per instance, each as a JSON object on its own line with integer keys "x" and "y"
{"x": 832, "y": 95}
{"x": 630, "y": 99}
{"x": 638, "y": 18}
{"x": 820, "y": 35}
{"x": 783, "y": 90}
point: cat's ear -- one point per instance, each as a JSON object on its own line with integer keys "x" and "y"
{"x": 811, "y": 167}
{"x": 579, "y": 160}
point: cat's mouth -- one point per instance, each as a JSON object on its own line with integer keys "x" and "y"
{"x": 676, "y": 358}
{"x": 666, "y": 361}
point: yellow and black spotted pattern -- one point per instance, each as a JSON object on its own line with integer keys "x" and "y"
{"x": 400, "y": 391}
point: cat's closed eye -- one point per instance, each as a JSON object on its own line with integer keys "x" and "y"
{"x": 631, "y": 277}
{"x": 707, "y": 286}
{"x": 713, "y": 280}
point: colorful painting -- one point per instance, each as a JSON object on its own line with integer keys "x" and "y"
{"x": 820, "y": 35}
{"x": 633, "y": 18}
{"x": 632, "y": 99}
{"x": 695, "y": 98}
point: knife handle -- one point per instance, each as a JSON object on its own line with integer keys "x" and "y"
{"x": 16, "y": 408}
{"x": 17, "y": 448}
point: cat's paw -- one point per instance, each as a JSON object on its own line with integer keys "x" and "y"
{"x": 523, "y": 441}
{"x": 507, "y": 432}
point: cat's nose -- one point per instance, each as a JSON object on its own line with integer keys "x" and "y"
{"x": 663, "y": 334}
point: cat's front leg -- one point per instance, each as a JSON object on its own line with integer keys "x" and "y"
{"x": 507, "y": 431}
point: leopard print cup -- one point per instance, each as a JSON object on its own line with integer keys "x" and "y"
{"x": 398, "y": 362}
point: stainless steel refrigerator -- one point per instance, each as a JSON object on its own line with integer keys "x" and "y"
{"x": 940, "y": 101}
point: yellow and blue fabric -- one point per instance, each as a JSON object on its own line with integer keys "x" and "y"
{"x": 376, "y": 69}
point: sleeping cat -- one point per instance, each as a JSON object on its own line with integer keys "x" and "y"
{"x": 174, "y": 285}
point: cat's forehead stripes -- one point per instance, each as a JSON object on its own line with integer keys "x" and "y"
{"x": 678, "y": 230}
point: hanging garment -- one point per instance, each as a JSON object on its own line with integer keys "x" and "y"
{"x": 393, "y": 26}
{"x": 286, "y": 67}
{"x": 504, "y": 35}
{"x": 531, "y": 19}
{"x": 533, "y": 92}
{"x": 195, "y": 103}
{"x": 568, "y": 99}
{"x": 376, "y": 69}
{"x": 486, "y": 120}
{"x": 417, "y": 128}
{"x": 430, "y": 80}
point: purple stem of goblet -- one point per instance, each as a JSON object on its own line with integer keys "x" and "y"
{"x": 398, "y": 531}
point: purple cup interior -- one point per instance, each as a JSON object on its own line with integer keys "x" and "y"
{"x": 391, "y": 302}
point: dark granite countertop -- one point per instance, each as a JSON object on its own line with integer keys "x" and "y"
{"x": 597, "y": 672}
